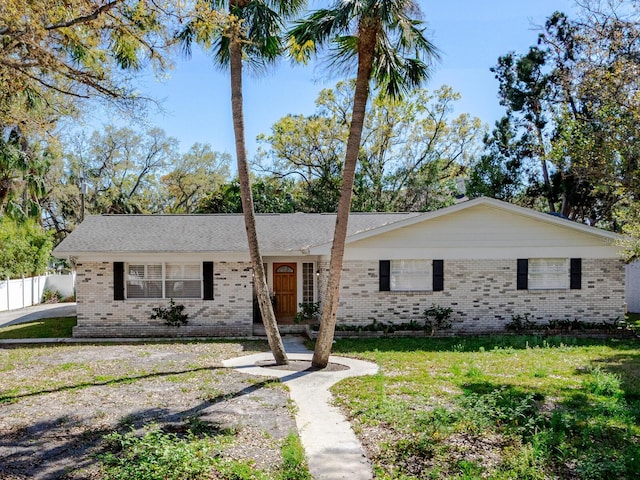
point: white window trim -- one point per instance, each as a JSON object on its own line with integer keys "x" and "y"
{"x": 314, "y": 281}
{"x": 163, "y": 280}
{"x": 399, "y": 271}
{"x": 549, "y": 274}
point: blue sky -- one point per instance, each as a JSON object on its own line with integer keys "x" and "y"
{"x": 470, "y": 34}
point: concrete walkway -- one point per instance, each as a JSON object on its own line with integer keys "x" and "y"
{"x": 332, "y": 448}
{"x": 37, "y": 312}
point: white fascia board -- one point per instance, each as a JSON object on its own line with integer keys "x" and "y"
{"x": 159, "y": 256}
{"x": 174, "y": 256}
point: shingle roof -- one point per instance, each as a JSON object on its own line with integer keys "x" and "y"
{"x": 211, "y": 233}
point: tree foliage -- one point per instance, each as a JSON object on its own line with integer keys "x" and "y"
{"x": 271, "y": 195}
{"x": 26, "y": 248}
{"x": 128, "y": 171}
{"x": 194, "y": 175}
{"x": 411, "y": 152}
{"x": 572, "y": 110}
{"x": 23, "y": 168}
{"x": 54, "y": 54}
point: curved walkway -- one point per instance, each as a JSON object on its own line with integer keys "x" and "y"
{"x": 332, "y": 448}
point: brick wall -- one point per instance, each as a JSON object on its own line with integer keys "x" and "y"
{"x": 99, "y": 315}
{"x": 483, "y": 295}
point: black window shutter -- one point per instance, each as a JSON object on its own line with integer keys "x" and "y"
{"x": 207, "y": 280}
{"x": 385, "y": 275}
{"x": 575, "y": 272}
{"x": 523, "y": 274}
{"x": 438, "y": 275}
{"x": 118, "y": 280}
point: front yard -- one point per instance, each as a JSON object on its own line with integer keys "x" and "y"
{"x": 510, "y": 407}
{"x": 497, "y": 407}
{"x": 69, "y": 412}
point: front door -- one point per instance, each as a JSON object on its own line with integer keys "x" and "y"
{"x": 285, "y": 290}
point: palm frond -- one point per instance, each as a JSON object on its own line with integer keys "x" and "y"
{"x": 343, "y": 55}
{"x": 263, "y": 26}
{"x": 320, "y": 26}
{"x": 185, "y": 39}
{"x": 394, "y": 72}
{"x": 287, "y": 9}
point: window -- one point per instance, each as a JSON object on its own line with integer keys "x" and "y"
{"x": 158, "y": 280}
{"x": 144, "y": 281}
{"x": 183, "y": 280}
{"x": 548, "y": 273}
{"x": 410, "y": 275}
{"x": 307, "y": 283}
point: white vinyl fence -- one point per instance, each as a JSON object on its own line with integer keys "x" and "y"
{"x": 24, "y": 292}
{"x": 633, "y": 287}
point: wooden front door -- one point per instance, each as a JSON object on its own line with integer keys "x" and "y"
{"x": 285, "y": 284}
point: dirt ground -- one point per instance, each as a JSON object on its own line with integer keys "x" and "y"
{"x": 57, "y": 402}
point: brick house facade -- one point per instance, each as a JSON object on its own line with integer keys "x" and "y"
{"x": 485, "y": 259}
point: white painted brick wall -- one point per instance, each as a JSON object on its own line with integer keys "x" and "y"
{"x": 99, "y": 315}
{"x": 483, "y": 295}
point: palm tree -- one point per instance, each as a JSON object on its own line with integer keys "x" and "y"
{"x": 389, "y": 46}
{"x": 250, "y": 31}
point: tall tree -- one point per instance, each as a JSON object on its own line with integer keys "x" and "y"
{"x": 120, "y": 168}
{"x": 412, "y": 149}
{"x": 500, "y": 172}
{"x": 23, "y": 166}
{"x": 194, "y": 175}
{"x": 573, "y": 105}
{"x": 56, "y": 54}
{"x": 250, "y": 32}
{"x": 388, "y": 45}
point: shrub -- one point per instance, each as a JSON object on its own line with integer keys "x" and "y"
{"x": 520, "y": 323}
{"x": 308, "y": 311}
{"x": 51, "y": 296}
{"x": 437, "y": 318}
{"x": 172, "y": 315}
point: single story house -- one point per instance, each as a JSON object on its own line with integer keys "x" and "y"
{"x": 486, "y": 259}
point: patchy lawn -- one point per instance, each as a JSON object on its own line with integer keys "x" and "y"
{"x": 497, "y": 407}
{"x": 127, "y": 411}
{"x": 48, "y": 328}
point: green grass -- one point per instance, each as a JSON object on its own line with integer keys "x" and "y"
{"x": 60, "y": 327}
{"x": 197, "y": 454}
{"x": 498, "y": 407}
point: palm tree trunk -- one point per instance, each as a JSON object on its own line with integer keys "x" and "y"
{"x": 259, "y": 277}
{"x": 366, "y": 48}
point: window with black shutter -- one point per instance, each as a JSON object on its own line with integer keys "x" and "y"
{"x": 438, "y": 275}
{"x": 575, "y": 275}
{"x": 118, "y": 280}
{"x": 207, "y": 280}
{"x": 523, "y": 274}
{"x": 385, "y": 275}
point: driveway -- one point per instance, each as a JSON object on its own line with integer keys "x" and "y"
{"x": 37, "y": 312}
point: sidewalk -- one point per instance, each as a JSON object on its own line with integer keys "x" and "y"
{"x": 333, "y": 450}
{"x": 37, "y": 312}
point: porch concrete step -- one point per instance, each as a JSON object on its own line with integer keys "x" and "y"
{"x": 259, "y": 331}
